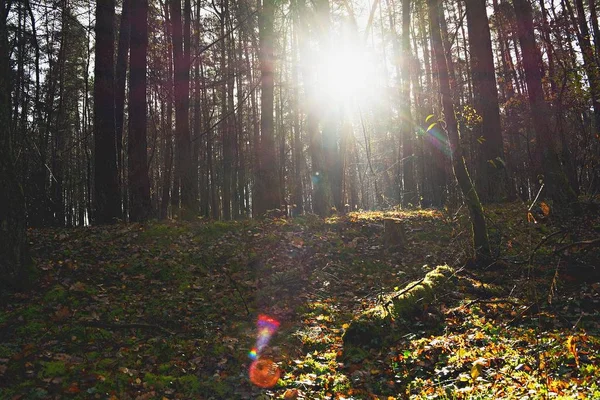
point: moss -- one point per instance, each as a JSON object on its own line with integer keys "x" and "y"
{"x": 52, "y": 369}
{"x": 373, "y": 325}
{"x": 421, "y": 294}
{"x": 57, "y": 293}
{"x": 31, "y": 328}
{"x": 189, "y": 384}
{"x": 164, "y": 368}
{"x": 159, "y": 381}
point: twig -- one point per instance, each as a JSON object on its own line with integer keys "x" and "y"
{"x": 519, "y": 314}
{"x": 493, "y": 301}
{"x": 536, "y": 197}
{"x": 407, "y": 289}
{"x": 544, "y": 240}
{"x": 114, "y": 325}
{"x": 237, "y": 289}
{"x": 529, "y": 259}
{"x": 595, "y": 242}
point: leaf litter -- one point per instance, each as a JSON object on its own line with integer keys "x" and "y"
{"x": 168, "y": 310}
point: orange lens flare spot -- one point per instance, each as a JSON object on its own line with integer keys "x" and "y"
{"x": 264, "y": 373}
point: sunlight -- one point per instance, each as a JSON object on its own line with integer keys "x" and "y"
{"x": 346, "y": 74}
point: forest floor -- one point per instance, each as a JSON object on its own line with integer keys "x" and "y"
{"x": 169, "y": 310}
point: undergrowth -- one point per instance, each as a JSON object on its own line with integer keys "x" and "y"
{"x": 168, "y": 310}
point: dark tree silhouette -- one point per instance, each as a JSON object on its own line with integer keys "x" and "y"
{"x": 139, "y": 183}
{"x": 107, "y": 198}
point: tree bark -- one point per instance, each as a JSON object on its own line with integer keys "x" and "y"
{"x": 120, "y": 79}
{"x": 139, "y": 182}
{"x": 14, "y": 258}
{"x": 410, "y": 194}
{"x": 267, "y": 179}
{"x": 548, "y": 166}
{"x": 491, "y": 182}
{"x": 481, "y": 246}
{"x": 107, "y": 197}
{"x": 181, "y": 61}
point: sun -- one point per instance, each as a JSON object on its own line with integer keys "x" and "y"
{"x": 346, "y": 73}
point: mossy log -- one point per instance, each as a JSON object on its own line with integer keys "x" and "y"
{"x": 372, "y": 325}
{"x": 393, "y": 233}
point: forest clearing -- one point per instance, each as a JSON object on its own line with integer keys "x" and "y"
{"x": 169, "y": 310}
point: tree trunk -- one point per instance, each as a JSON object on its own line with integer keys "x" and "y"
{"x": 590, "y": 63}
{"x": 491, "y": 183}
{"x": 139, "y": 182}
{"x": 595, "y": 28}
{"x": 481, "y": 246}
{"x": 181, "y": 61}
{"x": 14, "y": 258}
{"x": 410, "y": 195}
{"x": 558, "y": 187}
{"x": 297, "y": 150}
{"x": 120, "y": 78}
{"x": 107, "y": 199}
{"x": 267, "y": 179}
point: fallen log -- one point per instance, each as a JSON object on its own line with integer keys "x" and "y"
{"x": 371, "y": 327}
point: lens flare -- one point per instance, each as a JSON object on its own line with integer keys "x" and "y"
{"x": 264, "y": 373}
{"x": 253, "y": 355}
{"x": 266, "y": 328}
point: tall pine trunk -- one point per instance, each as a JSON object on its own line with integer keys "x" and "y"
{"x": 548, "y": 164}
{"x": 481, "y": 245}
{"x": 139, "y": 182}
{"x": 13, "y": 241}
{"x": 181, "y": 61}
{"x": 408, "y": 158}
{"x": 267, "y": 177}
{"x": 107, "y": 197}
{"x": 120, "y": 78}
{"x": 491, "y": 182}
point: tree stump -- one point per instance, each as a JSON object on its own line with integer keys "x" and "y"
{"x": 394, "y": 236}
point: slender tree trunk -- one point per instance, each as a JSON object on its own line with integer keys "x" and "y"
{"x": 197, "y": 123}
{"x": 168, "y": 126}
{"x": 139, "y": 182}
{"x": 481, "y": 244}
{"x": 410, "y": 184}
{"x": 558, "y": 187}
{"x": 181, "y": 58}
{"x": 590, "y": 63}
{"x": 13, "y": 241}
{"x": 107, "y": 197}
{"x": 595, "y": 28}
{"x": 225, "y": 126}
{"x": 320, "y": 194}
{"x": 60, "y": 128}
{"x": 120, "y": 78}
{"x": 267, "y": 179}
{"x": 297, "y": 193}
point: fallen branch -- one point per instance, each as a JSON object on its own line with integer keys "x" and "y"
{"x": 544, "y": 240}
{"x": 115, "y": 325}
{"x": 492, "y": 301}
{"x": 529, "y": 259}
{"x": 237, "y": 290}
{"x": 595, "y": 242}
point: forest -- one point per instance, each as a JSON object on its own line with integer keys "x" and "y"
{"x": 325, "y": 199}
